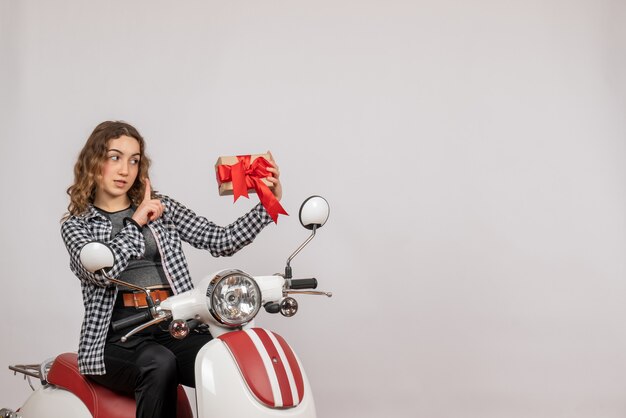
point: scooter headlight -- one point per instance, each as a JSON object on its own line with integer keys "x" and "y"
{"x": 234, "y": 298}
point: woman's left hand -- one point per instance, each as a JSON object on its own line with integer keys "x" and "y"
{"x": 277, "y": 188}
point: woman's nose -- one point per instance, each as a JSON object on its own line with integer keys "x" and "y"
{"x": 123, "y": 168}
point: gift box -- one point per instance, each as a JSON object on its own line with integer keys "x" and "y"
{"x": 223, "y": 172}
{"x": 247, "y": 173}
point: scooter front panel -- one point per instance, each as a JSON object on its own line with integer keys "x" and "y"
{"x": 264, "y": 364}
{"x": 222, "y": 389}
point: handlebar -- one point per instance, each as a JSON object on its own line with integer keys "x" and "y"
{"x": 131, "y": 320}
{"x": 145, "y": 317}
{"x": 303, "y": 283}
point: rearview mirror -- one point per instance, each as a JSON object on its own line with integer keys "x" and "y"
{"x": 314, "y": 212}
{"x": 96, "y": 256}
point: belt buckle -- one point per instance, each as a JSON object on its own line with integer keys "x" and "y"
{"x": 135, "y": 301}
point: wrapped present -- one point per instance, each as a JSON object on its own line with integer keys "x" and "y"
{"x": 239, "y": 175}
{"x": 224, "y": 166}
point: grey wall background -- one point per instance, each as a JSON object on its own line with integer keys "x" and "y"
{"x": 472, "y": 153}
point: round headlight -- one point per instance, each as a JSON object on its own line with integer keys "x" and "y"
{"x": 234, "y": 298}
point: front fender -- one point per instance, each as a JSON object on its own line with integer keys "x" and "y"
{"x": 251, "y": 373}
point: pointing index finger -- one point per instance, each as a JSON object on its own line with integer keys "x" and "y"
{"x": 148, "y": 193}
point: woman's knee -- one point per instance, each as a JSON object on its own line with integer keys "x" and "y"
{"x": 157, "y": 365}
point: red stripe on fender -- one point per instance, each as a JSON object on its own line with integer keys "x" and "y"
{"x": 250, "y": 365}
{"x": 279, "y": 368}
{"x": 293, "y": 363}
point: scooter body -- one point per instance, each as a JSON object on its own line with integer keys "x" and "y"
{"x": 52, "y": 401}
{"x": 234, "y": 379}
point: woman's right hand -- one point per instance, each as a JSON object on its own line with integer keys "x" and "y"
{"x": 149, "y": 209}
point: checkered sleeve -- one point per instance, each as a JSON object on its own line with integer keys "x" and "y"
{"x": 219, "y": 240}
{"x": 128, "y": 243}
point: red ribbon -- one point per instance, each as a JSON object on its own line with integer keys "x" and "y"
{"x": 247, "y": 176}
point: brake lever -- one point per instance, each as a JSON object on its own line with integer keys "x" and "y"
{"x": 162, "y": 317}
{"x": 308, "y": 292}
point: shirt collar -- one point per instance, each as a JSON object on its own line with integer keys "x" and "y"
{"x": 91, "y": 212}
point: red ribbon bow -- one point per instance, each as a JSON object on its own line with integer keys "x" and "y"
{"x": 246, "y": 176}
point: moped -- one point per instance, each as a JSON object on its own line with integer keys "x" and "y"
{"x": 243, "y": 372}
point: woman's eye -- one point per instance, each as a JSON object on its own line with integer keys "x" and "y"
{"x": 114, "y": 158}
{"x": 134, "y": 161}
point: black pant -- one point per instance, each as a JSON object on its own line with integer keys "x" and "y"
{"x": 151, "y": 369}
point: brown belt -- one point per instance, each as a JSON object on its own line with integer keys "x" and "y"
{"x": 138, "y": 300}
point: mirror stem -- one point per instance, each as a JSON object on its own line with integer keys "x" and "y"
{"x": 295, "y": 253}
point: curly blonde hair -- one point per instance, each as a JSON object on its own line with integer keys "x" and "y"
{"x": 90, "y": 161}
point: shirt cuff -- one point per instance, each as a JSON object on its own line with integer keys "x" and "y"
{"x": 262, "y": 214}
{"x": 128, "y": 220}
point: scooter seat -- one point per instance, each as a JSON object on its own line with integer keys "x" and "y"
{"x": 100, "y": 401}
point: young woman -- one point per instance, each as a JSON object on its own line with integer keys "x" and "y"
{"x": 111, "y": 201}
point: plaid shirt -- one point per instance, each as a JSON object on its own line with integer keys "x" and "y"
{"x": 177, "y": 223}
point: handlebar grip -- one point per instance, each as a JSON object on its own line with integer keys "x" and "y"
{"x": 303, "y": 283}
{"x": 272, "y": 307}
{"x": 131, "y": 320}
{"x": 193, "y": 324}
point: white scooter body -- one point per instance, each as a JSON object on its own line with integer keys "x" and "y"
{"x": 53, "y": 402}
{"x": 221, "y": 391}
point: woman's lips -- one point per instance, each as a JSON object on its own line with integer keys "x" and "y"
{"x": 120, "y": 183}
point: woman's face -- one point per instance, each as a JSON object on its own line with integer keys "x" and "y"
{"x": 119, "y": 170}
